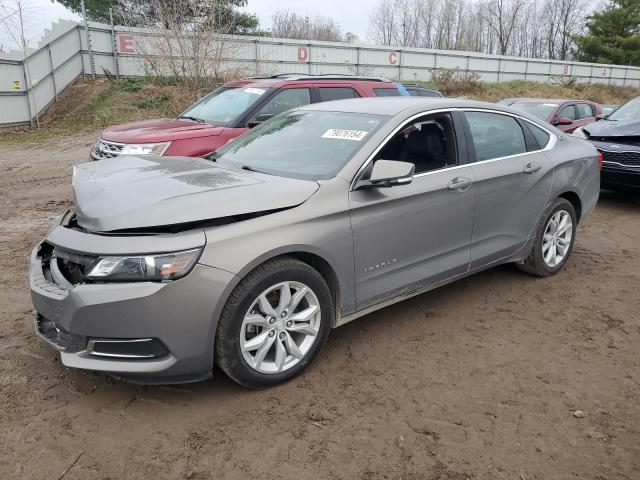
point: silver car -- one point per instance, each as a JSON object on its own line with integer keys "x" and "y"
{"x": 310, "y": 220}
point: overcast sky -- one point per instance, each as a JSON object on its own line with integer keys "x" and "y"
{"x": 352, "y": 15}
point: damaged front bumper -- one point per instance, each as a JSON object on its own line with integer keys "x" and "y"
{"x": 147, "y": 332}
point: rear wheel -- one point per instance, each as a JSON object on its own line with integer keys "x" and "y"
{"x": 274, "y": 323}
{"x": 554, "y": 240}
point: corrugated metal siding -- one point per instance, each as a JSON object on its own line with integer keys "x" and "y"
{"x": 258, "y": 56}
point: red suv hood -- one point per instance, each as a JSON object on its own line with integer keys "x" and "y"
{"x": 160, "y": 130}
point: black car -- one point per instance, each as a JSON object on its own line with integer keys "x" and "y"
{"x": 617, "y": 137}
{"x": 420, "y": 91}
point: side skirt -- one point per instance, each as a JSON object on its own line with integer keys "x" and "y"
{"x": 342, "y": 320}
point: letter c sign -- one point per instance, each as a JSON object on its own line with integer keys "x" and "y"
{"x": 393, "y": 58}
{"x": 303, "y": 54}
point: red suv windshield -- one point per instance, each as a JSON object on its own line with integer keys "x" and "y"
{"x": 224, "y": 106}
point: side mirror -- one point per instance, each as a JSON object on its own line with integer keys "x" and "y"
{"x": 601, "y": 116}
{"x": 387, "y": 173}
{"x": 258, "y": 119}
{"x": 564, "y": 121}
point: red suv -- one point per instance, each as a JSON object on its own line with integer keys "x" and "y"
{"x": 230, "y": 111}
{"x": 567, "y": 115}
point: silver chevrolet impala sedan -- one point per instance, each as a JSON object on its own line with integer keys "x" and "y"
{"x": 246, "y": 259}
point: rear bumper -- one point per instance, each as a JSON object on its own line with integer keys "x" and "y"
{"x": 178, "y": 319}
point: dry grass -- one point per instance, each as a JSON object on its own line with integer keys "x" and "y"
{"x": 89, "y": 106}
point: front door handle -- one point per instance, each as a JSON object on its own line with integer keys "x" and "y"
{"x": 531, "y": 168}
{"x": 459, "y": 184}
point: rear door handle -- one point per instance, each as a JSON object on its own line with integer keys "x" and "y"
{"x": 459, "y": 184}
{"x": 531, "y": 168}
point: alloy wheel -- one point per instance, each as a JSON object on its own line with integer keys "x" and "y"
{"x": 557, "y": 238}
{"x": 280, "y": 327}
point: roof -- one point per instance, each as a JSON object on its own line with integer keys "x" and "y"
{"x": 549, "y": 100}
{"x": 394, "y": 105}
{"x": 275, "y": 80}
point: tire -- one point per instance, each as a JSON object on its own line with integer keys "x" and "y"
{"x": 246, "y": 320}
{"x": 537, "y": 263}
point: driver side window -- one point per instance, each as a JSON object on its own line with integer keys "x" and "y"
{"x": 283, "y": 101}
{"x": 428, "y": 142}
{"x": 569, "y": 111}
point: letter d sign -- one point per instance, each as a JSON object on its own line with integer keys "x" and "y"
{"x": 303, "y": 54}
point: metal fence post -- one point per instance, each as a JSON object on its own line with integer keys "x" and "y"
{"x": 257, "y": 52}
{"x": 499, "y": 67}
{"x": 114, "y": 46}
{"x": 309, "y": 45}
{"x": 87, "y": 36}
{"x": 53, "y": 74}
{"x": 401, "y": 53}
{"x": 357, "y": 60}
{"x": 26, "y": 90}
{"x": 526, "y": 69}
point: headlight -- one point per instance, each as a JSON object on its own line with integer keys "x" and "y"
{"x": 145, "y": 148}
{"x": 144, "y": 268}
{"x": 579, "y": 132}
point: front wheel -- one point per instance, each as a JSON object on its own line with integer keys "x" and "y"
{"x": 274, "y": 323}
{"x": 554, "y": 240}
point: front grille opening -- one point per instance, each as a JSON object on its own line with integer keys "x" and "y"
{"x": 103, "y": 150}
{"x": 56, "y": 335}
{"x": 623, "y": 158}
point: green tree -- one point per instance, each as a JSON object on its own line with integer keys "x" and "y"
{"x": 145, "y": 12}
{"x": 614, "y": 35}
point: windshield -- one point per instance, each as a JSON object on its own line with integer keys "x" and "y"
{"x": 224, "y": 105}
{"x": 541, "y": 110}
{"x": 630, "y": 111}
{"x": 309, "y": 145}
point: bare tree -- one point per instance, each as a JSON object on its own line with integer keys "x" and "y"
{"x": 526, "y": 28}
{"x": 382, "y": 23}
{"x": 502, "y": 17}
{"x": 191, "y": 48}
{"x": 14, "y": 17}
{"x": 289, "y": 24}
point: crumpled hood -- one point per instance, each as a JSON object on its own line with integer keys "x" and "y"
{"x": 159, "y": 130}
{"x": 612, "y": 128}
{"x": 136, "y": 192}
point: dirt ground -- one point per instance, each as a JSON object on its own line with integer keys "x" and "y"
{"x": 476, "y": 380}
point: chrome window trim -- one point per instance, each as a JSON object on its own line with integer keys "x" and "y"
{"x": 553, "y": 139}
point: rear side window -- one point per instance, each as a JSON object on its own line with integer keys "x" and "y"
{"x": 569, "y": 111}
{"x": 495, "y": 135}
{"x": 285, "y": 100}
{"x": 429, "y": 93}
{"x": 584, "y": 110}
{"x": 386, "y": 92}
{"x": 542, "y": 137}
{"x": 336, "y": 93}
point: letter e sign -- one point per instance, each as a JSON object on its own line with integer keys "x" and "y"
{"x": 125, "y": 42}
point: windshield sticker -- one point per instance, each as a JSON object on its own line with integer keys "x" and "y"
{"x": 343, "y": 134}
{"x": 550, "y": 104}
{"x": 255, "y": 91}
